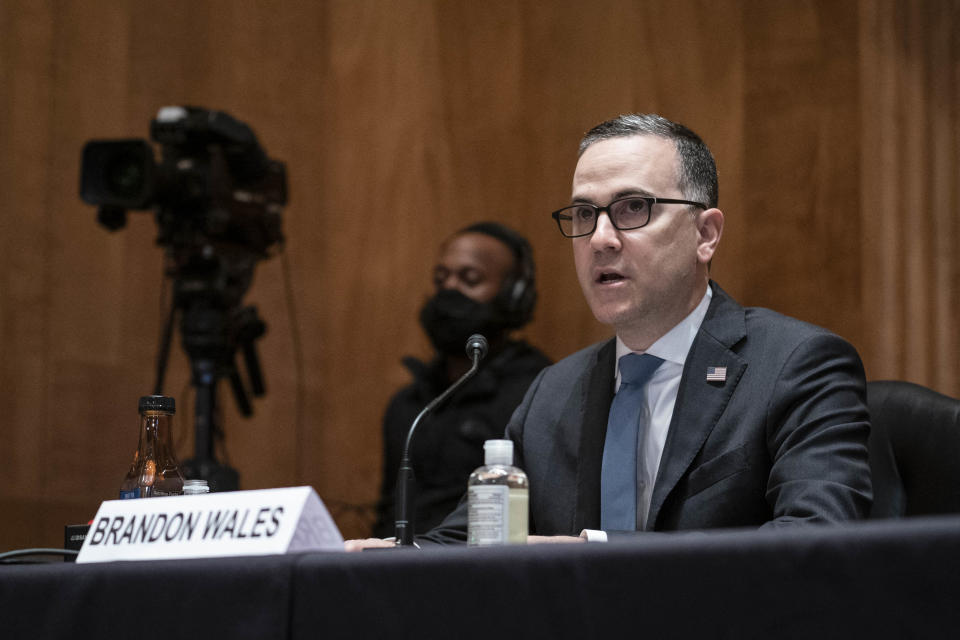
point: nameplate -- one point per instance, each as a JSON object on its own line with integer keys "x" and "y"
{"x": 232, "y": 523}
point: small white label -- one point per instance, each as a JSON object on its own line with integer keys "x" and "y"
{"x": 235, "y": 523}
{"x": 488, "y": 518}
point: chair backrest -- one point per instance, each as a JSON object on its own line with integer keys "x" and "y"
{"x": 914, "y": 450}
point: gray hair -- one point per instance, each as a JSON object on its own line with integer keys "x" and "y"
{"x": 698, "y": 171}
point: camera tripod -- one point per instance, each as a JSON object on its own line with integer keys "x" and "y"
{"x": 213, "y": 328}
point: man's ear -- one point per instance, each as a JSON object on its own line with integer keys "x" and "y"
{"x": 710, "y": 228}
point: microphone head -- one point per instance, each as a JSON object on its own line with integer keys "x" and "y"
{"x": 477, "y": 347}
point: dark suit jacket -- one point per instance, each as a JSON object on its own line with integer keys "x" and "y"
{"x": 782, "y": 440}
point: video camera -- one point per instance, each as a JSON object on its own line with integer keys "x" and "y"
{"x": 214, "y": 182}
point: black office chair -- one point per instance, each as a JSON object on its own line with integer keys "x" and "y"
{"x": 914, "y": 450}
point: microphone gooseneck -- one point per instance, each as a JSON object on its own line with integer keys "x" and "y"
{"x": 476, "y": 349}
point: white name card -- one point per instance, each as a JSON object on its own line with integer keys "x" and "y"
{"x": 234, "y": 523}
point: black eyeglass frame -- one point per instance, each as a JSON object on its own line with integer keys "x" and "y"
{"x": 650, "y": 200}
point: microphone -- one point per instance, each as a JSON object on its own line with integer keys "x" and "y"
{"x": 477, "y": 344}
{"x": 476, "y": 348}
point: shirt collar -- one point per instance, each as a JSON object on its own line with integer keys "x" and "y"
{"x": 674, "y": 345}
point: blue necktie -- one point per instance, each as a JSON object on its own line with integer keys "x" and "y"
{"x": 618, "y": 475}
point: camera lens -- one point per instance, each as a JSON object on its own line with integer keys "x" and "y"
{"x": 123, "y": 176}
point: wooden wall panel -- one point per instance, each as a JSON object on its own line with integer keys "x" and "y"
{"x": 910, "y": 154}
{"x": 26, "y": 54}
{"x": 834, "y": 126}
{"x": 801, "y": 162}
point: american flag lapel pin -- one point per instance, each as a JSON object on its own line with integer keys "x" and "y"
{"x": 716, "y": 374}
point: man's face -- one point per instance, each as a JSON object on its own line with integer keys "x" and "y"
{"x": 642, "y": 281}
{"x": 474, "y": 264}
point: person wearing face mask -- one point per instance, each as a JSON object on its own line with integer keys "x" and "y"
{"x": 484, "y": 280}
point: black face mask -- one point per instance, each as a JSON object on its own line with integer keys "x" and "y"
{"x": 450, "y": 317}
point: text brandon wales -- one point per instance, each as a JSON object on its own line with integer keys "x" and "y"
{"x": 181, "y": 526}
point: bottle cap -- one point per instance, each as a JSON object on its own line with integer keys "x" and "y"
{"x": 194, "y": 487}
{"x": 498, "y": 452}
{"x": 157, "y": 403}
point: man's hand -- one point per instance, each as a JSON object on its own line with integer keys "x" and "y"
{"x": 554, "y": 539}
{"x": 368, "y": 543}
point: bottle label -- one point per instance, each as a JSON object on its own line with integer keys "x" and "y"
{"x": 487, "y": 515}
{"x": 497, "y": 515}
{"x": 127, "y": 495}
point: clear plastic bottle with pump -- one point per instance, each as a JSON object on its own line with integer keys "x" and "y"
{"x": 498, "y": 499}
{"x": 155, "y": 471}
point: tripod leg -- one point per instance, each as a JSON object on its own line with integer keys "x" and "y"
{"x": 239, "y": 393}
{"x": 205, "y": 384}
{"x": 163, "y": 353}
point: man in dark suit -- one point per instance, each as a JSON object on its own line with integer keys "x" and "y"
{"x": 743, "y": 417}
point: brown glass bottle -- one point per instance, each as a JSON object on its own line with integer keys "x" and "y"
{"x": 154, "y": 471}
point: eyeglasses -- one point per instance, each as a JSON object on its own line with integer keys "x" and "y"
{"x": 625, "y": 214}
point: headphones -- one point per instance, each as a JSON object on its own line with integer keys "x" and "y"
{"x": 518, "y": 294}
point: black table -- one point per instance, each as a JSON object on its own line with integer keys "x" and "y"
{"x": 888, "y": 579}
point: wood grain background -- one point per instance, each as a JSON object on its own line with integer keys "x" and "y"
{"x": 835, "y": 126}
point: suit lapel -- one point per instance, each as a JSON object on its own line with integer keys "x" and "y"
{"x": 700, "y": 403}
{"x": 596, "y": 394}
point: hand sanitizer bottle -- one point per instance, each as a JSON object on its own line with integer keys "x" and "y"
{"x": 498, "y": 498}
